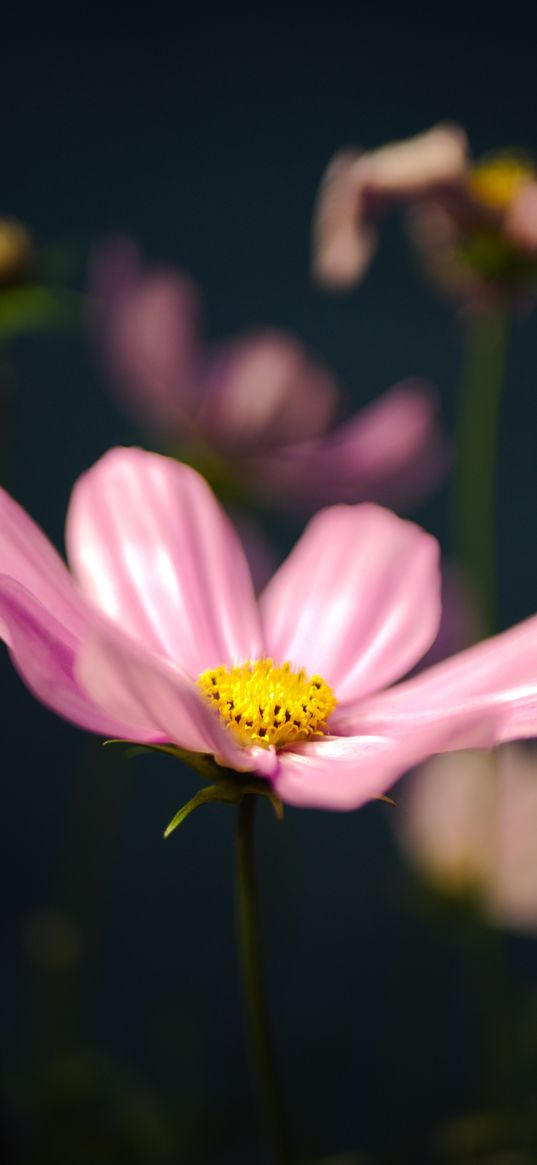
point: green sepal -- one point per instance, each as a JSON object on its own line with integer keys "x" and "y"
{"x": 139, "y": 749}
{"x": 203, "y": 763}
{"x": 221, "y": 792}
{"x": 228, "y": 785}
{"x": 230, "y": 792}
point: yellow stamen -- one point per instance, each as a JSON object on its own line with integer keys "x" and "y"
{"x": 496, "y": 180}
{"x": 269, "y": 705}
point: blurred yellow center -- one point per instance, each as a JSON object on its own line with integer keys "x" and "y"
{"x": 15, "y": 250}
{"x": 268, "y": 705}
{"x": 497, "y": 180}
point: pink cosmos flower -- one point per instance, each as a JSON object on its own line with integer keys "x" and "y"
{"x": 257, "y": 410}
{"x": 469, "y": 822}
{"x": 475, "y": 223}
{"x": 156, "y": 636}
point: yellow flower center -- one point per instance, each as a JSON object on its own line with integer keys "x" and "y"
{"x": 269, "y": 705}
{"x": 496, "y": 180}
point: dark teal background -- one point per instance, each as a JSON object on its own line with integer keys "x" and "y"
{"x": 204, "y": 136}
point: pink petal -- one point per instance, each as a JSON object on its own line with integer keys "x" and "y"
{"x": 265, "y": 389}
{"x": 27, "y": 556}
{"x": 478, "y": 698}
{"x": 343, "y": 772}
{"x": 339, "y": 773}
{"x": 393, "y": 451}
{"x": 156, "y": 553}
{"x": 521, "y": 221}
{"x": 44, "y": 652}
{"x": 357, "y": 185}
{"x": 358, "y": 599}
{"x": 413, "y": 167}
{"x": 147, "y": 326}
{"x": 130, "y": 683}
{"x": 481, "y": 697}
{"x": 344, "y": 241}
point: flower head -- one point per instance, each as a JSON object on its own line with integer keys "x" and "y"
{"x": 157, "y": 637}
{"x": 468, "y": 823}
{"x": 474, "y": 223}
{"x": 257, "y": 414}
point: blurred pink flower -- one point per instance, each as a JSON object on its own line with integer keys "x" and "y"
{"x": 468, "y": 822}
{"x": 475, "y": 223}
{"x": 157, "y": 637}
{"x": 258, "y": 412}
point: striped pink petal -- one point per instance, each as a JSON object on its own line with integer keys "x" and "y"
{"x": 44, "y": 651}
{"x": 28, "y": 557}
{"x": 358, "y": 599}
{"x": 130, "y": 683}
{"x": 155, "y": 552}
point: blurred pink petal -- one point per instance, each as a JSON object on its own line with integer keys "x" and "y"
{"x": 165, "y": 592}
{"x": 27, "y": 556}
{"x": 521, "y": 221}
{"x": 418, "y": 164}
{"x": 382, "y": 578}
{"x": 513, "y": 892}
{"x": 264, "y": 390}
{"x": 151, "y": 547}
{"x": 148, "y": 327}
{"x": 257, "y": 412}
{"x": 444, "y": 817}
{"x": 469, "y": 822}
{"x": 344, "y": 237}
{"x": 357, "y": 186}
{"x": 393, "y": 450}
{"x": 474, "y": 223}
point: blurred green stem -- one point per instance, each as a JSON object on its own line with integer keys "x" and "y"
{"x": 475, "y": 543}
{"x": 475, "y": 471}
{"x": 257, "y": 1016}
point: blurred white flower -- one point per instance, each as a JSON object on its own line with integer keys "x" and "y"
{"x": 468, "y": 822}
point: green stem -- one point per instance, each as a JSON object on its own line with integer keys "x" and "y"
{"x": 475, "y": 538}
{"x": 475, "y": 475}
{"x": 257, "y": 1016}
